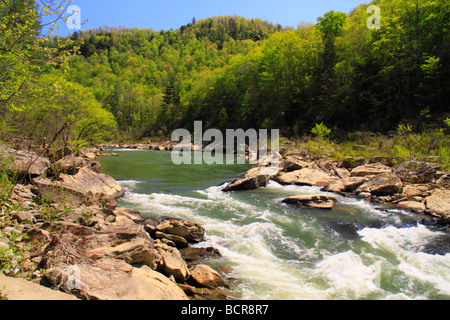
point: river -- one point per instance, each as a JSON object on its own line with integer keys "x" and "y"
{"x": 358, "y": 250}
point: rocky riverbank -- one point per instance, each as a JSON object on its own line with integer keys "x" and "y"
{"x": 415, "y": 185}
{"x": 62, "y": 229}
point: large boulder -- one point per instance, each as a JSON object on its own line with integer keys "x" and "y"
{"x": 345, "y": 185}
{"x": 314, "y": 201}
{"x": 170, "y": 262}
{"x": 438, "y": 204}
{"x": 306, "y": 177}
{"x": 382, "y": 185}
{"x": 370, "y": 169}
{"x": 25, "y": 162}
{"x": 253, "y": 179}
{"x": 86, "y": 187}
{"x": 415, "y": 206}
{"x": 188, "y": 230}
{"x": 207, "y": 277}
{"x": 293, "y": 163}
{"x": 21, "y": 289}
{"x": 415, "y": 172}
{"x": 112, "y": 279}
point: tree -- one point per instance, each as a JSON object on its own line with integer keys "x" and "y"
{"x": 23, "y": 57}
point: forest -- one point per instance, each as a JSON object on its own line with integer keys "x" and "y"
{"x": 113, "y": 84}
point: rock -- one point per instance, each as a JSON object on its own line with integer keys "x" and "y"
{"x": 61, "y": 153}
{"x": 345, "y": 185}
{"x": 341, "y": 173}
{"x": 191, "y": 254}
{"x": 111, "y": 279}
{"x": 25, "y": 162}
{"x": 352, "y": 183}
{"x": 21, "y": 289}
{"x": 414, "y": 190}
{"x": 207, "y": 277}
{"x": 415, "y": 172}
{"x": 418, "y": 207}
{"x": 293, "y": 163}
{"x": 135, "y": 251}
{"x": 352, "y": 162}
{"x": 365, "y": 195}
{"x": 444, "y": 181}
{"x": 253, "y": 179}
{"x": 86, "y": 187}
{"x": 68, "y": 165}
{"x": 370, "y": 169}
{"x": 438, "y": 204}
{"x": 178, "y": 241}
{"x": 336, "y": 187}
{"x": 387, "y": 161}
{"x": 23, "y": 217}
{"x": 316, "y": 201}
{"x": 171, "y": 262}
{"x": 382, "y": 185}
{"x": 306, "y": 176}
{"x": 188, "y": 230}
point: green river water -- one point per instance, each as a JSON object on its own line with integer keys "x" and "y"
{"x": 358, "y": 250}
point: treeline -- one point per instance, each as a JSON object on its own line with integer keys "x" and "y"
{"x": 229, "y": 72}
{"x": 233, "y": 72}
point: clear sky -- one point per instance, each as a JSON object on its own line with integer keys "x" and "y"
{"x": 172, "y": 14}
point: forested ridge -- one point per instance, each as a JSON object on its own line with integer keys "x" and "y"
{"x": 232, "y": 72}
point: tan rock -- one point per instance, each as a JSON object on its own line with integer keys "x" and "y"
{"x": 438, "y": 204}
{"x": 415, "y": 172}
{"x": 25, "y": 162}
{"x": 83, "y": 188}
{"x": 306, "y": 176}
{"x": 188, "y": 230}
{"x": 382, "y": 185}
{"x": 207, "y": 277}
{"x": 253, "y": 179}
{"x": 414, "y": 206}
{"x": 315, "y": 201}
{"x": 170, "y": 262}
{"x": 370, "y": 169}
{"x": 112, "y": 279}
{"x": 21, "y": 289}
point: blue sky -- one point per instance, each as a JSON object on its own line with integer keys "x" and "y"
{"x": 167, "y": 14}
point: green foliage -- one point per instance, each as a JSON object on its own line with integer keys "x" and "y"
{"x": 321, "y": 130}
{"x": 231, "y": 72}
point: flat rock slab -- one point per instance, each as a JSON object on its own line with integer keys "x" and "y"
{"x": 315, "y": 201}
{"x": 21, "y": 289}
{"x": 306, "y": 177}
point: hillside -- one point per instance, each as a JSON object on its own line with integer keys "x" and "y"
{"x": 232, "y": 72}
{"x": 235, "y": 72}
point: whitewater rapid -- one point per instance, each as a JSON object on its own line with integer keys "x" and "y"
{"x": 276, "y": 252}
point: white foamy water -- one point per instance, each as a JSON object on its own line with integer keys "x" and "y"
{"x": 280, "y": 252}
